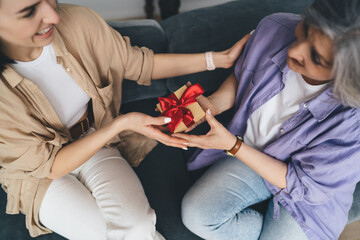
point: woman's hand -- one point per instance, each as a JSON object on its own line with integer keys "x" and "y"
{"x": 76, "y": 153}
{"x": 227, "y": 58}
{"x": 148, "y": 126}
{"x": 217, "y": 138}
{"x": 220, "y": 101}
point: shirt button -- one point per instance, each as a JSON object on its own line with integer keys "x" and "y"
{"x": 304, "y": 225}
{"x": 305, "y": 105}
{"x": 68, "y": 69}
{"x": 282, "y": 130}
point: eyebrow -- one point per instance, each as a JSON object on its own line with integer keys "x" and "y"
{"x": 322, "y": 57}
{"x": 319, "y": 55}
{"x": 326, "y": 62}
{"x": 306, "y": 28}
{"x": 28, "y": 8}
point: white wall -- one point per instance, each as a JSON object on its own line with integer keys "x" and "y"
{"x": 125, "y": 9}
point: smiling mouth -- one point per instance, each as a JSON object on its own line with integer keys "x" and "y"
{"x": 44, "y": 31}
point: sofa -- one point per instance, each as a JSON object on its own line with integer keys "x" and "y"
{"x": 163, "y": 172}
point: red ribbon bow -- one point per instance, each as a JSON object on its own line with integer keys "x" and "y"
{"x": 175, "y": 108}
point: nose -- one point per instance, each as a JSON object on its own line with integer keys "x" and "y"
{"x": 50, "y": 16}
{"x": 299, "y": 51}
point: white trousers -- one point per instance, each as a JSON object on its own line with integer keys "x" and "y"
{"x": 102, "y": 199}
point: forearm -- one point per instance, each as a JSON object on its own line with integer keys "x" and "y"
{"x": 172, "y": 65}
{"x": 269, "y": 168}
{"x": 224, "y": 98}
{"x": 75, "y": 154}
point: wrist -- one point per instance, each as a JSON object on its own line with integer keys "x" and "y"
{"x": 218, "y": 59}
{"x": 119, "y": 123}
{"x": 213, "y": 103}
{"x": 221, "y": 60}
{"x": 231, "y": 143}
{"x": 235, "y": 147}
{"x": 219, "y": 103}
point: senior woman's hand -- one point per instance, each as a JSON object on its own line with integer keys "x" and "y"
{"x": 220, "y": 101}
{"x": 217, "y": 138}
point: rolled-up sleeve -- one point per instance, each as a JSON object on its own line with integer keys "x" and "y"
{"x": 27, "y": 147}
{"x": 314, "y": 175}
{"x": 115, "y": 51}
{"x": 30, "y": 157}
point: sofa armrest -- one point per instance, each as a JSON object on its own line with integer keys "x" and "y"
{"x": 146, "y": 33}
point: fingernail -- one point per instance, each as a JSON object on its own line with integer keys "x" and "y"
{"x": 185, "y": 148}
{"x": 252, "y": 32}
{"x": 186, "y": 143}
{"x": 167, "y": 120}
{"x": 208, "y": 111}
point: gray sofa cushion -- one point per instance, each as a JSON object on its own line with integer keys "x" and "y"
{"x": 146, "y": 33}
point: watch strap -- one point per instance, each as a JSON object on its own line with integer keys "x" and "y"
{"x": 236, "y": 147}
{"x": 210, "y": 66}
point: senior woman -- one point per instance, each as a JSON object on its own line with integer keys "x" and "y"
{"x": 62, "y": 68}
{"x": 295, "y": 134}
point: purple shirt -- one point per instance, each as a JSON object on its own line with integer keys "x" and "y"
{"x": 320, "y": 142}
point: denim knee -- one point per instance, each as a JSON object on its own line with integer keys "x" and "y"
{"x": 211, "y": 219}
{"x": 208, "y": 222}
{"x": 193, "y": 214}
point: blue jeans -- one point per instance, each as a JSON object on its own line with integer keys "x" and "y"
{"x": 218, "y": 206}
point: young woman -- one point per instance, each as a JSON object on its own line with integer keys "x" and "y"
{"x": 295, "y": 134}
{"x": 62, "y": 68}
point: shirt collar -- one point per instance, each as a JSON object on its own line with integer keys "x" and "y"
{"x": 324, "y": 104}
{"x": 280, "y": 59}
{"x": 13, "y": 78}
{"x": 59, "y": 45}
{"x": 320, "y": 106}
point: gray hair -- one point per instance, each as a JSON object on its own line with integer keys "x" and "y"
{"x": 340, "y": 20}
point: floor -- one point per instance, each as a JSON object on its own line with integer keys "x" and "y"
{"x": 351, "y": 232}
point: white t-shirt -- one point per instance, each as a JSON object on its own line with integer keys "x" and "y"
{"x": 265, "y": 122}
{"x": 64, "y": 94}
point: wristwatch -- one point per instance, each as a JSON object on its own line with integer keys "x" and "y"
{"x": 236, "y": 147}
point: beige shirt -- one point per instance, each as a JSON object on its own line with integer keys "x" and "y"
{"x": 31, "y": 133}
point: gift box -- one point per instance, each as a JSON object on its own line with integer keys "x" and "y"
{"x": 182, "y": 107}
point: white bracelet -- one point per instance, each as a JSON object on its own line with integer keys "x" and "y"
{"x": 210, "y": 66}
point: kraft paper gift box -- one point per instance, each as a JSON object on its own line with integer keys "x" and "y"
{"x": 182, "y": 107}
